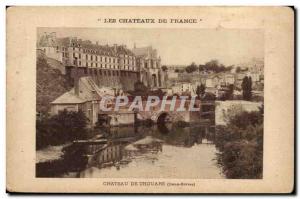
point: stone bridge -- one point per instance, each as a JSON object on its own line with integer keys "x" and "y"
{"x": 157, "y": 115}
{"x": 160, "y": 116}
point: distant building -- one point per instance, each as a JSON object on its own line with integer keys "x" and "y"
{"x": 149, "y": 64}
{"x": 176, "y": 89}
{"x": 255, "y": 77}
{"x": 176, "y": 67}
{"x": 172, "y": 75}
{"x": 213, "y": 81}
{"x": 229, "y": 78}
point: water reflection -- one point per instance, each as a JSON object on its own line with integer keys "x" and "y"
{"x": 156, "y": 151}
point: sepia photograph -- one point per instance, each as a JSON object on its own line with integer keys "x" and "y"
{"x": 119, "y": 103}
{"x": 186, "y": 100}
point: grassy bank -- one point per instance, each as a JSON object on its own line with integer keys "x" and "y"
{"x": 241, "y": 146}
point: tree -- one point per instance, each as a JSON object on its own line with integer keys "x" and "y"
{"x": 61, "y": 128}
{"x": 238, "y": 69}
{"x": 215, "y": 66}
{"x": 228, "y": 93}
{"x": 247, "y": 88}
{"x": 191, "y": 68}
{"x": 200, "y": 90}
{"x": 140, "y": 87}
{"x": 201, "y": 67}
{"x": 241, "y": 146}
{"x": 209, "y": 97}
{"x": 141, "y": 90}
{"x": 164, "y": 68}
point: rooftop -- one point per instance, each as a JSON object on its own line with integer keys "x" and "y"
{"x": 88, "y": 91}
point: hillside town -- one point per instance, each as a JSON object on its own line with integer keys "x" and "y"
{"x": 98, "y": 71}
{"x": 182, "y": 81}
{"x": 86, "y": 91}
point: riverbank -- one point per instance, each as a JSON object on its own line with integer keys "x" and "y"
{"x": 50, "y": 153}
{"x": 241, "y": 146}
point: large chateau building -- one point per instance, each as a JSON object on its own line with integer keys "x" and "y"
{"x": 114, "y": 66}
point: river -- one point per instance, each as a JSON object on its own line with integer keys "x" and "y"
{"x": 153, "y": 152}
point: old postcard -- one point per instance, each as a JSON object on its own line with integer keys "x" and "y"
{"x": 150, "y": 99}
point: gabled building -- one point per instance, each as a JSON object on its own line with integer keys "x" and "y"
{"x": 85, "y": 96}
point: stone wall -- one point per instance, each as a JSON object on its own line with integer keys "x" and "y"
{"x": 226, "y": 109}
{"x": 104, "y": 77}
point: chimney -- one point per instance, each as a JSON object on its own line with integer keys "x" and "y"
{"x": 76, "y": 78}
{"x": 134, "y": 46}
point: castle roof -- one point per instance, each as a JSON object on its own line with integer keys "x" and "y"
{"x": 50, "y": 40}
{"x": 145, "y": 52}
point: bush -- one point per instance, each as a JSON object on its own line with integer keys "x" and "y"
{"x": 61, "y": 128}
{"x": 241, "y": 146}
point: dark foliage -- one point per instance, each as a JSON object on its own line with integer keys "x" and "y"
{"x": 140, "y": 87}
{"x": 241, "y": 146}
{"x": 164, "y": 68}
{"x": 214, "y": 66}
{"x": 228, "y": 94}
{"x": 50, "y": 84}
{"x": 200, "y": 90}
{"x": 73, "y": 160}
{"x": 247, "y": 88}
{"x": 141, "y": 90}
{"x": 191, "y": 68}
{"x": 61, "y": 128}
{"x": 209, "y": 97}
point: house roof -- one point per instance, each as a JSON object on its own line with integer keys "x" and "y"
{"x": 88, "y": 91}
{"x": 68, "y": 98}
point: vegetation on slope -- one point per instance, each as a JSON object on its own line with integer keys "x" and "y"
{"x": 50, "y": 84}
{"x": 241, "y": 146}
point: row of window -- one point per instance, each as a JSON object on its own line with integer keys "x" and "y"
{"x": 97, "y": 52}
{"x": 98, "y": 65}
{"x": 97, "y": 58}
{"x": 91, "y": 51}
{"x": 111, "y": 73}
{"x": 103, "y": 59}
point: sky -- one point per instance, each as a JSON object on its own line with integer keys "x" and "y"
{"x": 179, "y": 46}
